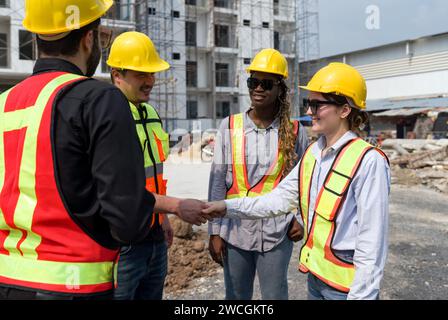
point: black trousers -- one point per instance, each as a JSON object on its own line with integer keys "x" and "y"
{"x": 7, "y": 293}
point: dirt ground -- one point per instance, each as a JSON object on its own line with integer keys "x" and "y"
{"x": 188, "y": 258}
{"x": 418, "y": 247}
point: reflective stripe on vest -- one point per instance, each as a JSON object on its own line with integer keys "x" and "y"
{"x": 155, "y": 145}
{"x": 41, "y": 247}
{"x": 240, "y": 183}
{"x": 316, "y": 255}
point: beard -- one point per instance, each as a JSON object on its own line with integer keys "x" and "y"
{"x": 94, "y": 58}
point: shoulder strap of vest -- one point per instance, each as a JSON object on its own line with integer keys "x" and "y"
{"x": 306, "y": 170}
{"x": 152, "y": 111}
{"x": 237, "y": 148}
{"x": 150, "y": 114}
{"x": 381, "y": 152}
{"x": 236, "y": 121}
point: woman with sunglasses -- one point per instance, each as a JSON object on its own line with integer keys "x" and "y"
{"x": 254, "y": 150}
{"x": 341, "y": 187}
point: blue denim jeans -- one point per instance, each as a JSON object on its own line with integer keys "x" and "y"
{"x": 319, "y": 290}
{"x": 240, "y": 267}
{"x": 142, "y": 269}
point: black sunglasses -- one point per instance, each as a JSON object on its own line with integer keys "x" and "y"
{"x": 266, "y": 84}
{"x": 314, "y": 105}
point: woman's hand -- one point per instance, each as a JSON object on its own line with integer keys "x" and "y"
{"x": 216, "y": 209}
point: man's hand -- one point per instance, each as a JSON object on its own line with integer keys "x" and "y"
{"x": 217, "y": 249}
{"x": 190, "y": 211}
{"x": 295, "y": 231}
{"x": 168, "y": 231}
{"x": 216, "y": 209}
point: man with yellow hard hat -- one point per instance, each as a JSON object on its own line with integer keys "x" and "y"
{"x": 72, "y": 186}
{"x": 142, "y": 267}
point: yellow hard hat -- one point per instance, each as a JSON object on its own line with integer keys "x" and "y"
{"x": 341, "y": 79}
{"x": 270, "y": 61}
{"x": 135, "y": 51}
{"x": 51, "y": 17}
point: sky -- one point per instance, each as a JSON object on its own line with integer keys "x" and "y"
{"x": 350, "y": 25}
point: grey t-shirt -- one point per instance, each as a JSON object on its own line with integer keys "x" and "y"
{"x": 261, "y": 150}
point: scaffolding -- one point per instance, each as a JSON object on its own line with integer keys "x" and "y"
{"x": 156, "y": 19}
{"x": 308, "y": 43}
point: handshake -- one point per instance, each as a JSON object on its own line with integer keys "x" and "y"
{"x": 198, "y": 212}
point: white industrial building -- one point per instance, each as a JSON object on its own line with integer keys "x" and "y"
{"x": 403, "y": 78}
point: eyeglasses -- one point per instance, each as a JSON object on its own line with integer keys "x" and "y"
{"x": 106, "y": 35}
{"x": 315, "y": 105}
{"x": 266, "y": 84}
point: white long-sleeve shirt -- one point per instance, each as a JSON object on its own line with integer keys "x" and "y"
{"x": 362, "y": 223}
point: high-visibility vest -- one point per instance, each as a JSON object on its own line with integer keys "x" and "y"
{"x": 316, "y": 255}
{"x": 155, "y": 145}
{"x": 41, "y": 246}
{"x": 240, "y": 183}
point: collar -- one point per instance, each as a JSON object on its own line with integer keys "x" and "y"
{"x": 55, "y": 64}
{"x": 249, "y": 125}
{"x": 321, "y": 143}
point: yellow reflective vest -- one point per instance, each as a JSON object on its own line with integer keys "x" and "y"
{"x": 316, "y": 255}
{"x": 155, "y": 145}
{"x": 240, "y": 184}
{"x": 41, "y": 246}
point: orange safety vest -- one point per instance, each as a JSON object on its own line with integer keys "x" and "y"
{"x": 316, "y": 255}
{"x": 41, "y": 247}
{"x": 240, "y": 183}
{"x": 155, "y": 145}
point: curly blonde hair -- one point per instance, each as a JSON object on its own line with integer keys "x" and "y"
{"x": 287, "y": 137}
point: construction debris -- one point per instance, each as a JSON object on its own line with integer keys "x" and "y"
{"x": 188, "y": 258}
{"x": 423, "y": 159}
{"x": 419, "y": 162}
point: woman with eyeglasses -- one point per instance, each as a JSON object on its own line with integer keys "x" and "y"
{"x": 341, "y": 188}
{"x": 254, "y": 150}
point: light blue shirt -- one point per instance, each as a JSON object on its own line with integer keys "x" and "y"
{"x": 362, "y": 223}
